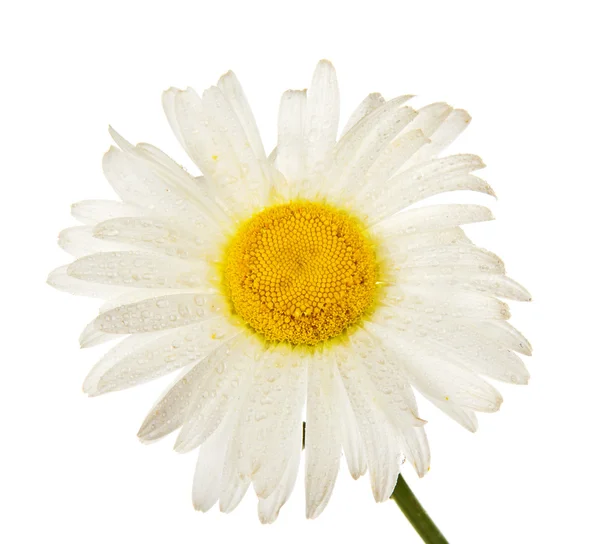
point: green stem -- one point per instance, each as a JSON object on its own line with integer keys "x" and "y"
{"x": 416, "y": 514}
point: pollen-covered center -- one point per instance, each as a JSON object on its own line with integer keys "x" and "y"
{"x": 300, "y": 272}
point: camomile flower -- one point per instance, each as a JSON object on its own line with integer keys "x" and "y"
{"x": 302, "y": 286}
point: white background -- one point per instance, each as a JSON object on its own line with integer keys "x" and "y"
{"x": 72, "y": 468}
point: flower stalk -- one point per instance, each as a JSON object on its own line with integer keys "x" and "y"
{"x": 416, "y": 514}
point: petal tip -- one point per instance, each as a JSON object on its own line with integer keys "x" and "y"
{"x": 51, "y": 279}
{"x": 143, "y": 433}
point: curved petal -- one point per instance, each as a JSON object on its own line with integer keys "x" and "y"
{"x": 143, "y": 357}
{"x": 168, "y": 236}
{"x": 170, "y": 412}
{"x": 291, "y": 146}
{"x": 441, "y": 304}
{"x": 420, "y": 182}
{"x": 429, "y": 118}
{"x": 352, "y": 443}
{"x": 441, "y": 138}
{"x": 61, "y": 280}
{"x": 432, "y": 374}
{"x": 396, "y": 395}
{"x": 428, "y": 218}
{"x": 234, "y": 94}
{"x": 234, "y": 483}
{"x": 268, "y": 509}
{"x": 140, "y": 270}
{"x": 157, "y": 190}
{"x": 223, "y": 388}
{"x": 463, "y": 416}
{"x": 209, "y": 470}
{"x": 394, "y": 156}
{"x": 91, "y": 212}
{"x": 80, "y": 241}
{"x": 447, "y": 260}
{"x": 272, "y": 412}
{"x": 504, "y": 334}
{"x": 367, "y": 106}
{"x": 323, "y": 434}
{"x": 360, "y": 147}
{"x": 382, "y": 453}
{"x": 322, "y": 118}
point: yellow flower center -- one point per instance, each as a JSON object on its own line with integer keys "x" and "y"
{"x": 300, "y": 272}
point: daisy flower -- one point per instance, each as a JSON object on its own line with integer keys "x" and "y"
{"x": 302, "y": 286}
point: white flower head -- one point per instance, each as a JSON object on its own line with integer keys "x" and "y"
{"x": 297, "y": 286}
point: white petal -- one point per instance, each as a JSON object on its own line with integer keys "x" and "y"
{"x": 395, "y": 154}
{"x": 60, "y": 279}
{"x": 461, "y": 342}
{"x": 185, "y": 114}
{"x": 91, "y": 336}
{"x": 450, "y": 129}
{"x": 396, "y": 398}
{"x": 233, "y": 92}
{"x": 498, "y": 332}
{"x": 268, "y": 509}
{"x": 441, "y": 380}
{"x": 133, "y": 295}
{"x": 209, "y": 469}
{"x": 352, "y": 443}
{"x": 395, "y": 394}
{"x": 430, "y": 117}
{"x": 245, "y": 178}
{"x": 222, "y": 390}
{"x": 505, "y": 334}
{"x": 197, "y": 189}
{"x": 462, "y": 416}
{"x": 168, "y": 103}
{"x": 291, "y": 147}
{"x": 485, "y": 283}
{"x": 322, "y": 118}
{"x": 470, "y": 259}
{"x": 136, "y": 346}
{"x": 234, "y": 483}
{"x": 174, "y": 176}
{"x": 216, "y": 141}
{"x": 428, "y": 218}
{"x": 421, "y": 182}
{"x": 323, "y": 434}
{"x": 177, "y": 175}
{"x": 489, "y": 359}
{"x": 432, "y": 374}
{"x": 356, "y": 152}
{"x": 271, "y": 415}
{"x": 139, "y": 269}
{"x": 120, "y": 141}
{"x": 409, "y": 247}
{"x": 144, "y": 357}
{"x": 144, "y": 183}
{"x": 367, "y": 106}
{"x": 91, "y": 212}
{"x": 163, "y": 235}
{"x": 414, "y": 445}
{"x": 500, "y": 286}
{"x": 380, "y": 208}
{"x": 383, "y": 458}
{"x": 80, "y": 241}
{"x": 169, "y": 413}
{"x": 230, "y": 497}
{"x": 440, "y": 304}
{"x": 490, "y": 284}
